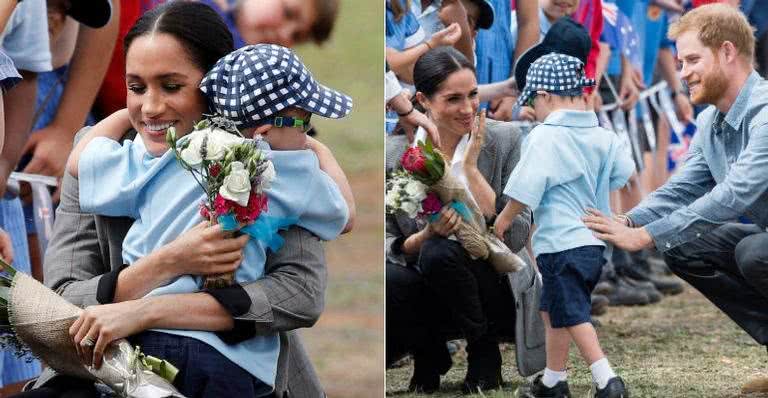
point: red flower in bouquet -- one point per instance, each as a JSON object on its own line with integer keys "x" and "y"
{"x": 214, "y": 170}
{"x": 413, "y": 160}
{"x": 431, "y": 204}
{"x": 204, "y": 212}
{"x": 424, "y": 162}
{"x": 256, "y": 204}
{"x": 221, "y": 205}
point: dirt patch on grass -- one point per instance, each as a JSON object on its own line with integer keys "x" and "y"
{"x": 347, "y": 343}
{"x": 681, "y": 347}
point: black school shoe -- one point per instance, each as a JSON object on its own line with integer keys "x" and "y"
{"x": 537, "y": 389}
{"x": 614, "y": 389}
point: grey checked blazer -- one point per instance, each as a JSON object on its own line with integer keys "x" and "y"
{"x": 291, "y": 294}
{"x": 498, "y": 157}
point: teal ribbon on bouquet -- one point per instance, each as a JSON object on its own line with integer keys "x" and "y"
{"x": 460, "y": 208}
{"x": 264, "y": 229}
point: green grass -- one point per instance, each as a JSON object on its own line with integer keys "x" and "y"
{"x": 353, "y": 62}
{"x": 682, "y": 347}
{"x": 347, "y": 344}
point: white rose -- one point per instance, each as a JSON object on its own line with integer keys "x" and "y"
{"x": 191, "y": 154}
{"x": 392, "y": 198}
{"x": 416, "y": 190}
{"x": 237, "y": 185}
{"x": 225, "y": 138}
{"x": 214, "y": 148}
{"x": 410, "y": 208}
{"x": 267, "y": 176}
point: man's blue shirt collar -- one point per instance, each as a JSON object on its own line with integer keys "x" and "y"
{"x": 738, "y": 110}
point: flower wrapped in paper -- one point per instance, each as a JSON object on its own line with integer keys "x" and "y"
{"x": 426, "y": 166}
{"x": 35, "y": 319}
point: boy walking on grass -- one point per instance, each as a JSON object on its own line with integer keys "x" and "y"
{"x": 568, "y": 164}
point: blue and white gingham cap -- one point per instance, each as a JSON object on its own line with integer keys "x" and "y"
{"x": 256, "y": 82}
{"x": 555, "y": 73}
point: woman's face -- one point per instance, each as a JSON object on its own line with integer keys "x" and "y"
{"x": 163, "y": 89}
{"x": 283, "y": 22}
{"x": 454, "y": 105}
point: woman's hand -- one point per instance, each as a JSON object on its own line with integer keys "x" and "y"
{"x": 447, "y": 223}
{"x": 204, "y": 250}
{"x": 476, "y": 141}
{"x": 100, "y": 325}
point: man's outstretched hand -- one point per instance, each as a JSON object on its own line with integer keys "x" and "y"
{"x": 616, "y": 232}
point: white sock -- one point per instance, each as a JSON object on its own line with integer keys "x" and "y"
{"x": 552, "y": 377}
{"x": 601, "y": 372}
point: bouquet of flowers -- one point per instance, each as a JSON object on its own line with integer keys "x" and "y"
{"x": 34, "y": 319}
{"x": 426, "y": 165}
{"x": 233, "y": 172}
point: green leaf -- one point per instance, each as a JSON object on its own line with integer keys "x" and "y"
{"x": 7, "y": 268}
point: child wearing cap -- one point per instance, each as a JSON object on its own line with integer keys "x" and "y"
{"x": 264, "y": 89}
{"x": 568, "y": 164}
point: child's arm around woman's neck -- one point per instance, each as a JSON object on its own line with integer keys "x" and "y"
{"x": 114, "y": 126}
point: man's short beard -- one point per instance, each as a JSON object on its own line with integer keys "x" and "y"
{"x": 713, "y": 86}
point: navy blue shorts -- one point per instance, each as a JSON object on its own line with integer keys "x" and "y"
{"x": 203, "y": 371}
{"x": 569, "y": 278}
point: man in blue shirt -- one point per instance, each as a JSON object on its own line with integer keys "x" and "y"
{"x": 691, "y": 219}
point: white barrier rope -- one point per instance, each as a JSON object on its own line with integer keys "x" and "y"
{"x": 42, "y": 204}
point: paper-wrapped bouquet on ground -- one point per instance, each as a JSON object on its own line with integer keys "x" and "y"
{"x": 425, "y": 185}
{"x": 35, "y": 319}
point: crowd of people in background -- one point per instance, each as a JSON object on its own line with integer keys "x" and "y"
{"x": 639, "y": 95}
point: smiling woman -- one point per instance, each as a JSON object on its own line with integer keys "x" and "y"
{"x": 435, "y": 290}
{"x": 162, "y": 88}
{"x": 168, "y": 51}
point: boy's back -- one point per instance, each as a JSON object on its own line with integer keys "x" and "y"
{"x": 568, "y": 164}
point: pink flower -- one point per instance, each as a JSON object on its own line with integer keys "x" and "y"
{"x": 204, "y": 212}
{"x": 221, "y": 205}
{"x": 431, "y": 204}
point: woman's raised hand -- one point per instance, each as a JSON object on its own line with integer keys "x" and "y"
{"x": 476, "y": 141}
{"x": 447, "y": 222}
{"x": 205, "y": 250}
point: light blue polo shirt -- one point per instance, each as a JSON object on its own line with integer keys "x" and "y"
{"x": 164, "y": 199}
{"x": 568, "y": 164}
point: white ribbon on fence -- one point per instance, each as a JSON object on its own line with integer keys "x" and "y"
{"x": 42, "y": 205}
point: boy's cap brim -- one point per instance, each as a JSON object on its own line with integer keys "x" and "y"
{"x": 94, "y": 14}
{"x": 327, "y": 102}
